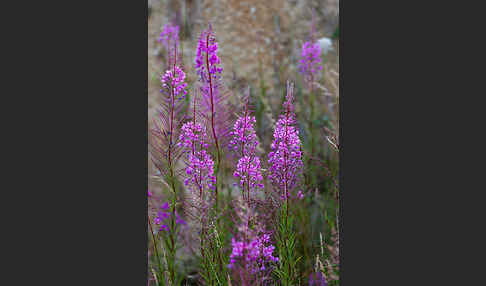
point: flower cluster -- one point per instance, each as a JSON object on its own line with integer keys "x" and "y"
{"x": 259, "y": 251}
{"x": 244, "y": 142}
{"x": 243, "y": 135}
{"x": 310, "y": 59}
{"x": 175, "y": 79}
{"x": 214, "y": 102}
{"x": 169, "y": 36}
{"x": 207, "y": 48}
{"x": 165, "y": 132}
{"x": 200, "y": 166}
{"x": 192, "y": 133}
{"x": 300, "y": 195}
{"x": 170, "y": 40}
{"x": 249, "y": 171}
{"x": 285, "y": 159}
{"x": 252, "y": 252}
{"x": 201, "y": 170}
{"x": 163, "y": 215}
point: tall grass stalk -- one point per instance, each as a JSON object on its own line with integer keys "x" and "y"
{"x": 156, "y": 252}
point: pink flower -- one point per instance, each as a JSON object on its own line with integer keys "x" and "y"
{"x": 163, "y": 215}
{"x": 201, "y": 165}
{"x": 175, "y": 80}
{"x": 249, "y": 171}
{"x": 243, "y": 134}
{"x": 256, "y": 251}
{"x": 192, "y": 133}
{"x": 285, "y": 159}
{"x": 310, "y": 59}
{"x": 300, "y": 195}
{"x": 169, "y": 35}
{"x": 207, "y": 46}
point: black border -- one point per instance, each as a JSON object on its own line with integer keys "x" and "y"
{"x": 82, "y": 105}
{"x": 81, "y": 136}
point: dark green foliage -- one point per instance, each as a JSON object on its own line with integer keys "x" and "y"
{"x": 335, "y": 35}
{"x": 286, "y": 270}
{"x": 214, "y": 261}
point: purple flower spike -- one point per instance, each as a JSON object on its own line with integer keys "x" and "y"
{"x": 214, "y": 96}
{"x": 165, "y": 206}
{"x": 300, "y": 195}
{"x": 200, "y": 165}
{"x": 243, "y": 134}
{"x": 164, "y": 215}
{"x": 310, "y": 60}
{"x": 285, "y": 159}
{"x": 244, "y": 142}
{"x": 169, "y": 35}
{"x": 192, "y": 133}
{"x": 255, "y": 251}
{"x": 170, "y": 40}
{"x": 207, "y": 47}
{"x": 165, "y": 131}
{"x": 174, "y": 78}
{"x": 248, "y": 170}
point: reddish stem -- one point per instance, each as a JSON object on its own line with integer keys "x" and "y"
{"x": 285, "y": 163}
{"x": 212, "y": 111}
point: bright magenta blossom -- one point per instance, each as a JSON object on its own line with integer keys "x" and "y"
{"x": 249, "y": 172}
{"x": 175, "y": 79}
{"x": 310, "y": 59}
{"x": 244, "y": 135}
{"x": 285, "y": 159}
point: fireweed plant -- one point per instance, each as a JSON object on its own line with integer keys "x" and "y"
{"x": 201, "y": 182}
{"x": 169, "y": 38}
{"x": 285, "y": 167}
{"x": 166, "y": 153}
{"x": 243, "y": 143}
{"x": 193, "y": 137}
{"x": 251, "y": 259}
{"x": 214, "y": 114}
{"x": 310, "y": 68}
{"x": 214, "y": 107}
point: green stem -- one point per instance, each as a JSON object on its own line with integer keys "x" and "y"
{"x": 155, "y": 248}
{"x": 173, "y": 237}
{"x": 312, "y": 133}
